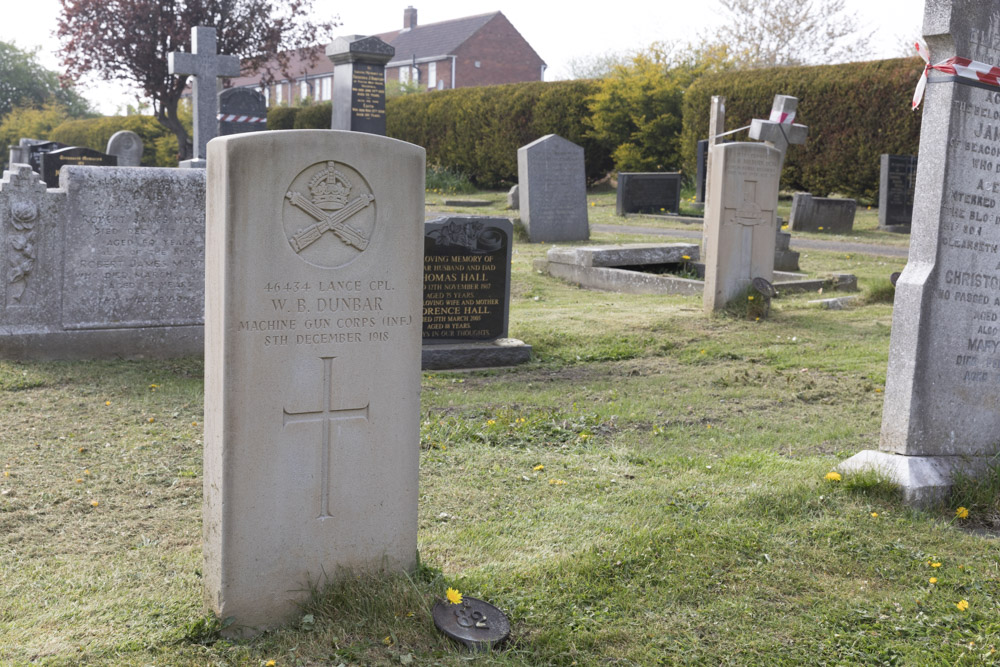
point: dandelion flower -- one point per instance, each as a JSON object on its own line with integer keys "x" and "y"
{"x": 94, "y": 503}
{"x": 557, "y": 482}
{"x": 750, "y": 298}
{"x": 685, "y": 256}
{"x": 152, "y": 419}
{"x": 962, "y": 513}
{"x": 874, "y": 515}
{"x": 270, "y": 663}
{"x": 935, "y": 565}
{"x": 491, "y": 422}
{"x": 832, "y": 476}
{"x": 107, "y": 402}
{"x": 79, "y": 480}
{"x": 962, "y": 605}
{"x": 820, "y": 228}
{"x": 932, "y": 580}
{"x": 539, "y": 467}
{"x": 387, "y": 640}
{"x": 453, "y": 596}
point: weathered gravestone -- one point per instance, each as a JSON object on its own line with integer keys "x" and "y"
{"x": 897, "y": 178}
{"x": 359, "y": 83}
{"x": 467, "y": 294}
{"x": 552, "y": 190}
{"x": 241, "y": 110}
{"x": 648, "y": 192}
{"x": 54, "y": 161}
{"x": 943, "y": 381}
{"x": 821, "y": 214}
{"x": 740, "y": 223}
{"x": 110, "y": 264}
{"x": 514, "y": 197}
{"x": 127, "y": 147}
{"x": 205, "y": 65}
{"x": 312, "y": 365}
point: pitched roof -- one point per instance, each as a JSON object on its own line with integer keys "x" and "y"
{"x": 434, "y": 39}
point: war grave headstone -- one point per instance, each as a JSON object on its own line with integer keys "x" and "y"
{"x": 127, "y": 147}
{"x": 53, "y": 161}
{"x": 553, "y": 190}
{"x": 312, "y": 366}
{"x": 648, "y": 192}
{"x": 943, "y": 380}
{"x": 740, "y": 222}
{"x": 205, "y": 65}
{"x": 897, "y": 178}
{"x": 467, "y": 294}
{"x": 110, "y": 264}
{"x": 359, "y": 83}
{"x": 241, "y": 110}
{"x": 821, "y": 214}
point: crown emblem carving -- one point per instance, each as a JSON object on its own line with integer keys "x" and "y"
{"x": 330, "y": 189}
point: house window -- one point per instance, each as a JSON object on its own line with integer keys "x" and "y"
{"x": 267, "y": 96}
{"x": 279, "y": 93}
{"x": 478, "y": 64}
{"x": 404, "y": 74}
{"x": 327, "y": 88}
{"x": 432, "y": 71}
{"x": 304, "y": 87}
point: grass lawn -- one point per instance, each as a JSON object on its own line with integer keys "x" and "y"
{"x": 650, "y": 489}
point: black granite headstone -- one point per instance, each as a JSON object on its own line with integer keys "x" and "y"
{"x": 54, "y": 161}
{"x": 359, "y": 83}
{"x": 241, "y": 110}
{"x": 466, "y": 278}
{"x": 648, "y": 192}
{"x": 898, "y": 175}
{"x": 35, "y": 148}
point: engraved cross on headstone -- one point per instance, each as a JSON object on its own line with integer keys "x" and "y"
{"x": 327, "y": 416}
{"x": 780, "y": 130}
{"x": 206, "y": 66}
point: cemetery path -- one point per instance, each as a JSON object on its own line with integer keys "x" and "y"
{"x": 796, "y": 243}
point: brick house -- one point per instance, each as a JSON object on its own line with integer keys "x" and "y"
{"x": 478, "y": 50}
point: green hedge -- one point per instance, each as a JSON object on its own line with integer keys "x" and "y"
{"x": 159, "y": 146}
{"x": 854, "y": 111}
{"x": 477, "y": 131}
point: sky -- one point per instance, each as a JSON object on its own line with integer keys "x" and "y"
{"x": 558, "y": 35}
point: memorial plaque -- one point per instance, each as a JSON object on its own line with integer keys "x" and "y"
{"x": 897, "y": 179}
{"x": 54, "y": 161}
{"x": 648, "y": 192}
{"x": 312, "y": 365}
{"x": 466, "y": 278}
{"x": 135, "y": 249}
{"x": 474, "y": 623}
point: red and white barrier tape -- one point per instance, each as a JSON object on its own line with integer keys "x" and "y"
{"x": 956, "y": 66}
{"x": 786, "y": 117}
{"x": 233, "y": 118}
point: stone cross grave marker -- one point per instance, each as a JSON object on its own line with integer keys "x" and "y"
{"x": 312, "y": 356}
{"x": 780, "y": 130}
{"x": 206, "y": 66}
{"x": 359, "y": 83}
{"x": 942, "y": 387}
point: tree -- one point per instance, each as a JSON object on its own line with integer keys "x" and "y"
{"x": 770, "y": 33}
{"x": 25, "y": 83}
{"x": 128, "y": 40}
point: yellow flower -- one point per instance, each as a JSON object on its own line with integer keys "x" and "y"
{"x": 962, "y": 513}
{"x": 932, "y": 580}
{"x": 153, "y": 386}
{"x": 685, "y": 256}
{"x": 194, "y": 423}
{"x": 820, "y": 228}
{"x": 152, "y": 419}
{"x": 86, "y": 472}
{"x": 584, "y": 436}
{"x": 557, "y": 482}
{"x": 935, "y": 564}
{"x": 539, "y": 467}
{"x": 107, "y": 402}
{"x": 94, "y": 503}
{"x": 962, "y": 605}
{"x": 270, "y": 663}
{"x": 6, "y": 473}
{"x": 79, "y": 480}
{"x": 832, "y": 476}
{"x": 453, "y": 596}
{"x": 387, "y": 640}
{"x": 750, "y": 298}
{"x": 491, "y": 422}
{"x": 874, "y": 515}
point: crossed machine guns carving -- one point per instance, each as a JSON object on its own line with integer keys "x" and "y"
{"x": 334, "y": 222}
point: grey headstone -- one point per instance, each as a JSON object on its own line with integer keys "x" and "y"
{"x": 241, "y": 110}
{"x": 648, "y": 192}
{"x": 553, "y": 190}
{"x": 127, "y": 147}
{"x": 359, "y": 83}
{"x": 702, "y": 171}
{"x": 514, "y": 197}
{"x": 108, "y": 265}
{"x": 943, "y": 380}
{"x": 821, "y": 214}
{"x": 897, "y": 179}
{"x": 206, "y": 66}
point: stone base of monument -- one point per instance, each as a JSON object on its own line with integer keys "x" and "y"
{"x": 896, "y": 229}
{"x": 924, "y": 480}
{"x": 649, "y": 268}
{"x": 192, "y": 164}
{"x": 471, "y": 355}
{"x": 19, "y": 344}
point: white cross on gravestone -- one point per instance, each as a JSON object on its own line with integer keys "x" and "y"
{"x": 780, "y": 130}
{"x": 206, "y": 66}
{"x": 326, "y": 415}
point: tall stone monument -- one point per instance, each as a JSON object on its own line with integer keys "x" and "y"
{"x": 942, "y": 388}
{"x": 312, "y": 365}
{"x": 359, "y": 83}
{"x": 552, "y": 190}
{"x": 206, "y": 66}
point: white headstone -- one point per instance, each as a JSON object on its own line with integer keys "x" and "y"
{"x": 206, "y": 66}
{"x": 552, "y": 195}
{"x": 312, "y": 364}
{"x": 943, "y": 381}
{"x": 127, "y": 147}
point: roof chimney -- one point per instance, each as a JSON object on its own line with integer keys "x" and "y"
{"x": 409, "y": 18}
